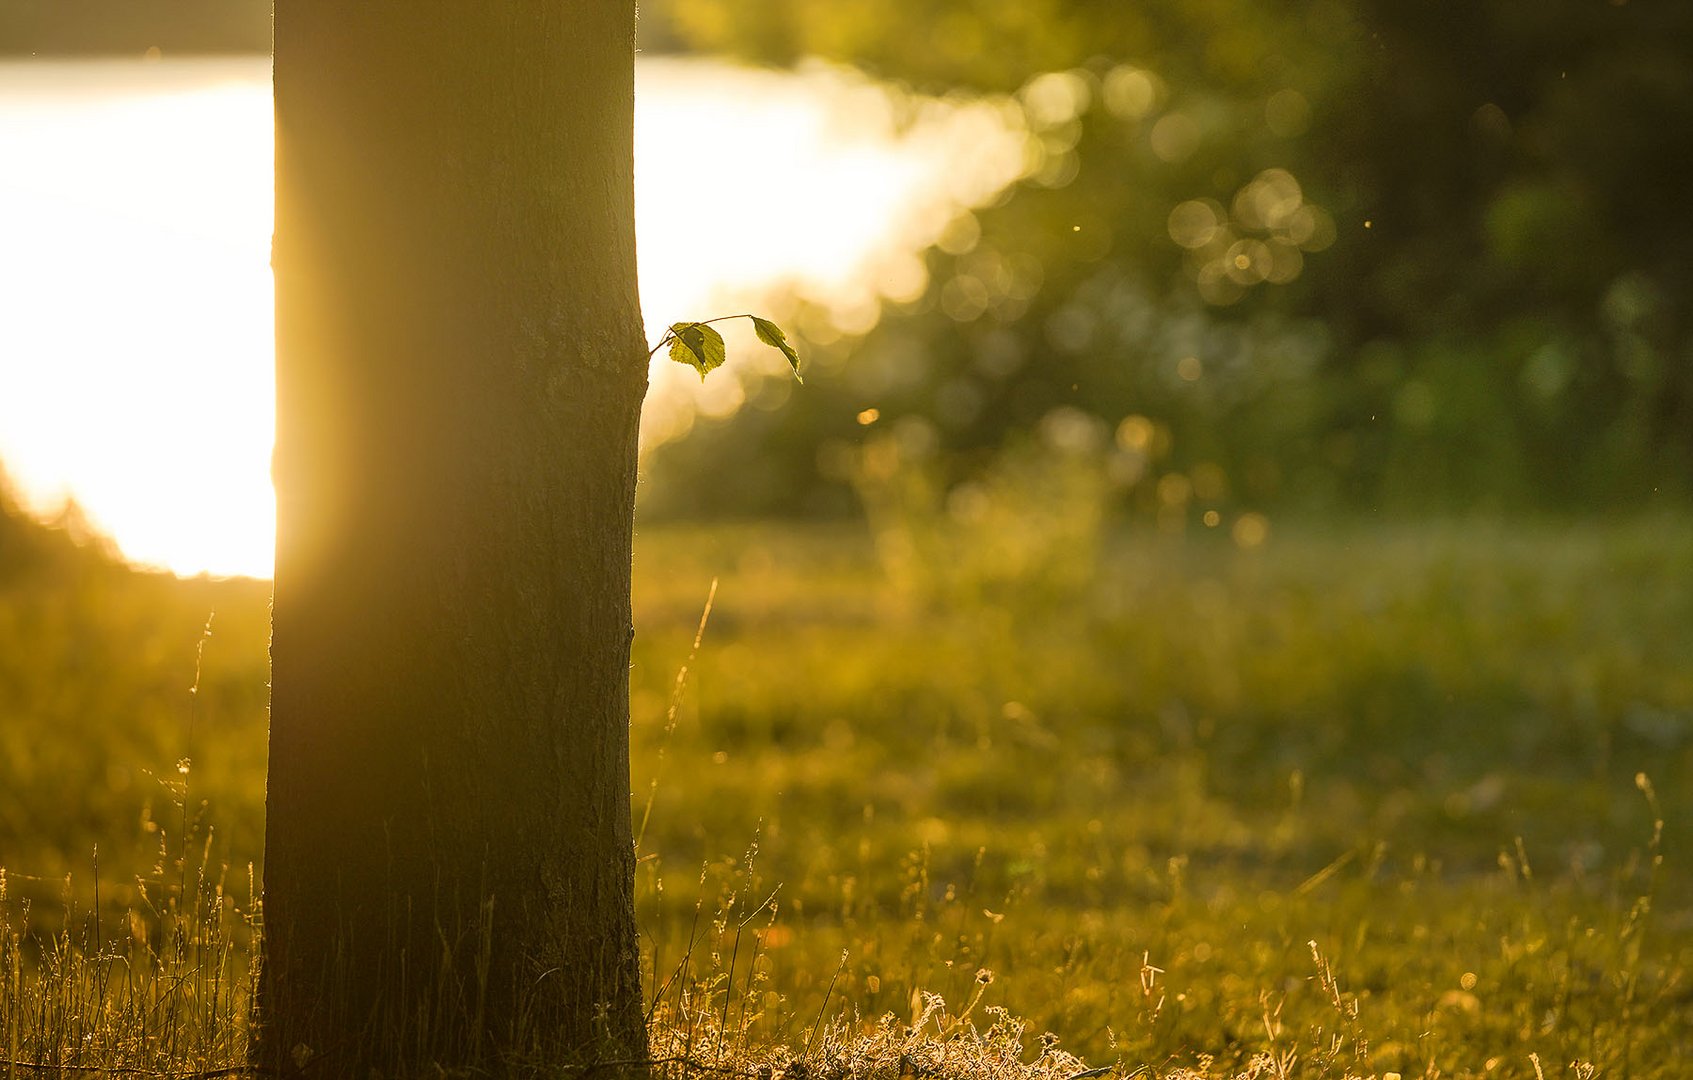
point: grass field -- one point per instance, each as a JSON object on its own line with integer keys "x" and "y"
{"x": 1317, "y": 802}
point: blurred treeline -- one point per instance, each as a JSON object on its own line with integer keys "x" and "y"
{"x": 132, "y": 27}
{"x": 1342, "y": 254}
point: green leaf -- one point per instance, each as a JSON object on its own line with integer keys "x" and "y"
{"x": 696, "y": 345}
{"x": 771, "y": 334}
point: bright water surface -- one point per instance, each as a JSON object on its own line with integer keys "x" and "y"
{"x": 135, "y": 292}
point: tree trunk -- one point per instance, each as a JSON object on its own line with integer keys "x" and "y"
{"x": 460, "y": 366}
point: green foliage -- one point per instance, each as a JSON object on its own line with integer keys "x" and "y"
{"x": 773, "y": 336}
{"x": 696, "y": 345}
{"x": 1233, "y": 211}
{"x": 701, "y": 347}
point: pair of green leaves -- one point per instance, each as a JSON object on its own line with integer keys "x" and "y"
{"x": 700, "y": 346}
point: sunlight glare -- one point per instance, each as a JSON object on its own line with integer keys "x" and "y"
{"x": 135, "y": 309}
{"x": 135, "y": 290}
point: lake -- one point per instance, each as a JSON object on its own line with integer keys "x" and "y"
{"x": 135, "y": 291}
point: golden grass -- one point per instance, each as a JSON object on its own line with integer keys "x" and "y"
{"x": 941, "y": 801}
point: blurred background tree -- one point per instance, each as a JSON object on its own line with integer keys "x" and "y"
{"x": 1325, "y": 254}
{"x": 132, "y": 27}
{"x": 1331, "y": 253}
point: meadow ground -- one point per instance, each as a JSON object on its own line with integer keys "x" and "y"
{"x": 1313, "y": 801}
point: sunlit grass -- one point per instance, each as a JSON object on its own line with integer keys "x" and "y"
{"x": 160, "y": 990}
{"x": 1409, "y": 750}
{"x": 1356, "y": 800}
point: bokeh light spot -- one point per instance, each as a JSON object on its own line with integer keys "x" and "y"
{"x": 1134, "y": 434}
{"x": 1175, "y": 137}
{"x": 1055, "y": 98}
{"x": 1193, "y": 224}
{"x": 1250, "y": 531}
{"x": 1131, "y": 93}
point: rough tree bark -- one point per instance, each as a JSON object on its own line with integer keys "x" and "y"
{"x": 460, "y": 367}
